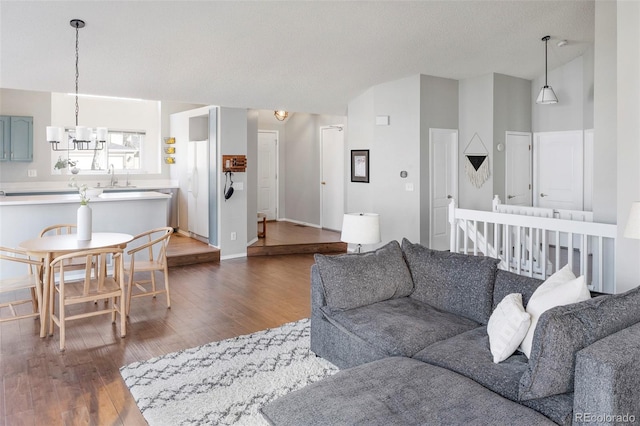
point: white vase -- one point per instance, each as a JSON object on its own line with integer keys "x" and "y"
{"x": 84, "y": 223}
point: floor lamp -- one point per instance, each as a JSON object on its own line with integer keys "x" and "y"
{"x": 360, "y": 228}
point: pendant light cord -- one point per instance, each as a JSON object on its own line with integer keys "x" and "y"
{"x": 77, "y": 72}
{"x": 546, "y": 41}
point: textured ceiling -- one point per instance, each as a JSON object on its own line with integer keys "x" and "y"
{"x": 308, "y": 56}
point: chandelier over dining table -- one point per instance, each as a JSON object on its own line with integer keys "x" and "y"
{"x": 83, "y": 137}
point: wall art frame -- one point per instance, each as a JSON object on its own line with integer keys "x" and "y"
{"x": 360, "y": 165}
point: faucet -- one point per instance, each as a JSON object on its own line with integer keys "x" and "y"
{"x": 114, "y": 179}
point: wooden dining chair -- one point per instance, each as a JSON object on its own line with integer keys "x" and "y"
{"x": 149, "y": 254}
{"x": 62, "y": 229}
{"x": 70, "y": 291}
{"x": 31, "y": 281}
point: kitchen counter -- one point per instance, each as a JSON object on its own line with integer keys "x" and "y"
{"x": 14, "y": 200}
{"x": 44, "y": 188}
{"x": 22, "y": 217}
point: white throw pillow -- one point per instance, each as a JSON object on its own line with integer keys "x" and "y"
{"x": 561, "y": 288}
{"x": 507, "y": 327}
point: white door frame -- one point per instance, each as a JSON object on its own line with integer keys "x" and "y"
{"x": 276, "y": 134}
{"x": 506, "y": 165}
{"x": 536, "y": 165}
{"x": 454, "y": 191}
{"x": 332, "y": 126}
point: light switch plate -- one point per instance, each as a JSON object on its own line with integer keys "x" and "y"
{"x": 32, "y": 173}
{"x": 408, "y": 187}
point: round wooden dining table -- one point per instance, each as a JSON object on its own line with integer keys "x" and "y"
{"x": 51, "y": 246}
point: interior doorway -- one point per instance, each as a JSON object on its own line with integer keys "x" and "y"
{"x": 332, "y": 177}
{"x": 559, "y": 170}
{"x": 268, "y": 173}
{"x": 518, "y": 164}
{"x": 443, "y": 186}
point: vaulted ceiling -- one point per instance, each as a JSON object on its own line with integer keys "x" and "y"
{"x": 311, "y": 56}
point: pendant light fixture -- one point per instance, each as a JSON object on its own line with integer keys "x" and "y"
{"x": 281, "y": 115}
{"x": 547, "y": 95}
{"x": 83, "y": 135}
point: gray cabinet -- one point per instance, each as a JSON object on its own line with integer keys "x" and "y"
{"x": 16, "y": 138}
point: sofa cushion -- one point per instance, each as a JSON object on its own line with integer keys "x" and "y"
{"x": 452, "y": 282}
{"x": 508, "y": 283}
{"x": 352, "y": 280}
{"x": 468, "y": 354}
{"x": 397, "y": 391}
{"x": 565, "y": 330}
{"x": 507, "y": 327}
{"x": 399, "y": 327}
{"x": 561, "y": 288}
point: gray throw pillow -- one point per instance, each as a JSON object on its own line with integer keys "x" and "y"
{"x": 453, "y": 282}
{"x": 563, "y": 331}
{"x": 354, "y": 280}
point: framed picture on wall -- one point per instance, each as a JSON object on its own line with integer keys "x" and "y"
{"x": 360, "y": 165}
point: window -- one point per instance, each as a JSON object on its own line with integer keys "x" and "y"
{"x": 123, "y": 149}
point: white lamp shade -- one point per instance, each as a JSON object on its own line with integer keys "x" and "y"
{"x": 632, "y": 229}
{"x": 361, "y": 228}
{"x": 101, "y": 133}
{"x": 83, "y": 133}
{"x": 547, "y": 96}
{"x": 54, "y": 134}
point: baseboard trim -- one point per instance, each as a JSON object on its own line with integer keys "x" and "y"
{"x": 298, "y": 222}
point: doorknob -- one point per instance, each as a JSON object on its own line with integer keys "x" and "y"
{"x": 449, "y": 197}
{"x": 323, "y": 183}
{"x": 544, "y": 195}
{"x": 510, "y": 197}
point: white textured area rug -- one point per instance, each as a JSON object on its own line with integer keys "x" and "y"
{"x": 226, "y": 382}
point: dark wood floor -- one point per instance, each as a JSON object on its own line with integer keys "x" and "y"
{"x": 286, "y": 238}
{"x": 42, "y": 386}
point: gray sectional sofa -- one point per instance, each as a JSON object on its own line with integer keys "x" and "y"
{"x": 407, "y": 326}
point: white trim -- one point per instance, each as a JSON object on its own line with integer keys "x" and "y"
{"x": 277, "y": 136}
{"x": 506, "y": 162}
{"x": 298, "y": 222}
{"x": 431, "y": 170}
{"x": 321, "y": 143}
{"x": 233, "y": 256}
{"x": 255, "y": 240}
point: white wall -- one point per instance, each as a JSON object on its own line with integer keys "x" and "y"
{"x": 116, "y": 114}
{"x": 38, "y": 106}
{"x": 628, "y": 122}
{"x": 476, "y": 117}
{"x": 393, "y": 148}
{"x": 568, "y": 114}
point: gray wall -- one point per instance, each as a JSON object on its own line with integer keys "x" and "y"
{"x": 628, "y": 122}
{"x": 511, "y": 112}
{"x": 605, "y": 117}
{"x": 438, "y": 109}
{"x": 475, "y": 117}
{"x": 232, "y": 140}
{"x": 252, "y": 175}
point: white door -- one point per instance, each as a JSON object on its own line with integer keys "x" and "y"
{"x": 268, "y": 174}
{"x": 443, "y": 164}
{"x": 518, "y": 163}
{"x": 332, "y": 177}
{"x": 558, "y": 170}
{"x": 198, "y": 197}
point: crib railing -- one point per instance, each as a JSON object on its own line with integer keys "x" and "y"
{"x": 537, "y": 246}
